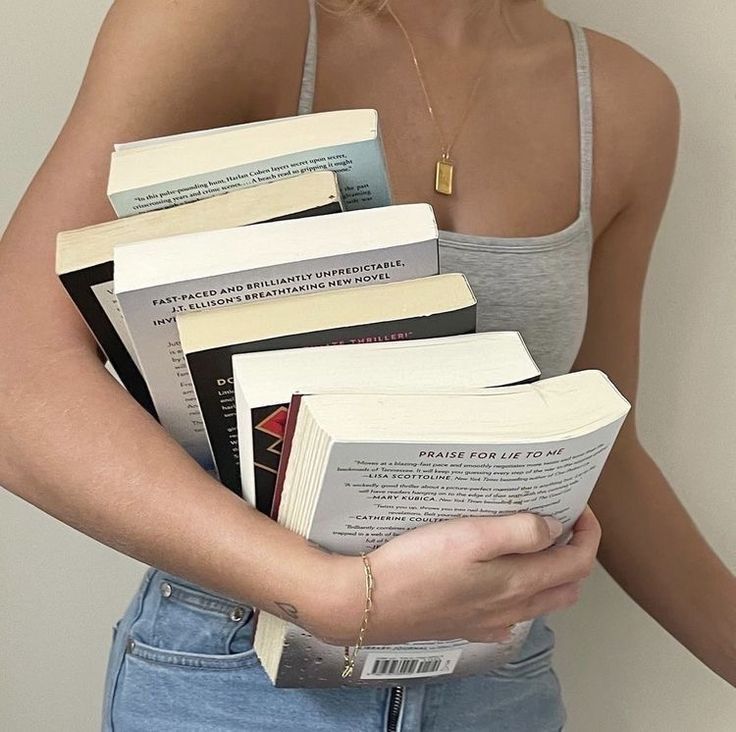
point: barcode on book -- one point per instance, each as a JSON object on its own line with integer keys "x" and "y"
{"x": 401, "y": 666}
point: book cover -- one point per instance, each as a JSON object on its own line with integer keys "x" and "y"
{"x": 193, "y": 166}
{"x": 265, "y": 382}
{"x": 380, "y": 313}
{"x": 368, "y": 490}
{"x": 84, "y": 257}
{"x": 157, "y": 280}
{"x": 269, "y": 421}
{"x": 91, "y": 289}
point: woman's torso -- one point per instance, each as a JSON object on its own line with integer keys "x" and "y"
{"x": 521, "y": 175}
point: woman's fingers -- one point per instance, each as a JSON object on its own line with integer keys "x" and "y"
{"x": 558, "y": 565}
{"x": 543, "y": 603}
{"x": 550, "y": 601}
{"x": 522, "y": 533}
{"x": 476, "y": 577}
{"x": 587, "y": 530}
{"x": 501, "y": 634}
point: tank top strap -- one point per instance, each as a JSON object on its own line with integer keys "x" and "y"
{"x": 309, "y": 73}
{"x": 585, "y": 106}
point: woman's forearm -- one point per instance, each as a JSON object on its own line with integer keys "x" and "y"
{"x": 76, "y": 445}
{"x": 119, "y": 478}
{"x": 653, "y": 549}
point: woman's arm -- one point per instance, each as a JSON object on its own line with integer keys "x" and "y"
{"x": 73, "y": 443}
{"x": 650, "y": 545}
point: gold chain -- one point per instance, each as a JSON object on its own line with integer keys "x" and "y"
{"x": 444, "y": 170}
{"x": 349, "y": 666}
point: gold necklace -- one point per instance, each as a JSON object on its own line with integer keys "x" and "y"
{"x": 445, "y": 167}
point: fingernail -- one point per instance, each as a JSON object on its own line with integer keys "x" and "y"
{"x": 555, "y": 526}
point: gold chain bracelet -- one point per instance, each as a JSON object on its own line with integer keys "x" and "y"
{"x": 349, "y": 666}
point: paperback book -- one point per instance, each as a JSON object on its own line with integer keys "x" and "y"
{"x": 157, "y": 280}
{"x": 84, "y": 257}
{"x": 359, "y": 469}
{"x": 168, "y": 171}
{"x": 423, "y": 308}
{"x": 264, "y": 383}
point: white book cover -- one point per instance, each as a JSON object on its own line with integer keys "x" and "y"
{"x": 158, "y": 279}
{"x": 165, "y": 172}
{"x": 391, "y": 489}
{"x": 269, "y": 378}
{"x": 356, "y": 476}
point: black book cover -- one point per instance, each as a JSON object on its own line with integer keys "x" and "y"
{"x": 212, "y": 375}
{"x": 79, "y": 285}
{"x": 269, "y": 426}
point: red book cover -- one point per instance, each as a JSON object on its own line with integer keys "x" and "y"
{"x": 296, "y": 400}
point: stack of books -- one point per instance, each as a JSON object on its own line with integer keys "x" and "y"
{"x": 262, "y": 297}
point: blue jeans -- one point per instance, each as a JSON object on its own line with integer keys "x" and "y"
{"x": 182, "y": 661}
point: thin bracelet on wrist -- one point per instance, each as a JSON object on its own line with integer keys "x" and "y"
{"x": 349, "y": 666}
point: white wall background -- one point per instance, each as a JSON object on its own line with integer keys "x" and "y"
{"x": 61, "y": 592}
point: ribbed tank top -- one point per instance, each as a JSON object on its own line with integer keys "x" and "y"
{"x": 536, "y": 285}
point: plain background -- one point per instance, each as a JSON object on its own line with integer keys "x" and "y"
{"x": 61, "y": 592}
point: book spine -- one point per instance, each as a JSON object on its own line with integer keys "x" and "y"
{"x": 267, "y": 439}
{"x": 360, "y": 168}
{"x": 286, "y": 445}
{"x": 91, "y": 290}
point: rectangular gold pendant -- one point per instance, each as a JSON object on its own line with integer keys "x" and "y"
{"x": 443, "y": 177}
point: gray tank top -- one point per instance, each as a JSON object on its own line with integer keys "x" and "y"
{"x": 537, "y": 285}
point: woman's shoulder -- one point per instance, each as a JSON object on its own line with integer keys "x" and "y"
{"x": 627, "y": 80}
{"x": 243, "y": 56}
{"x": 636, "y": 116}
{"x": 234, "y": 28}
{"x": 166, "y": 67}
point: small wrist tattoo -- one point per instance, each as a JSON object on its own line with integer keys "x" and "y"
{"x": 319, "y": 547}
{"x": 287, "y": 609}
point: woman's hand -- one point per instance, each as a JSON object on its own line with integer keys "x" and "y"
{"x": 470, "y": 578}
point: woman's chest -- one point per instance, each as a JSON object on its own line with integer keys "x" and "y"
{"x": 515, "y": 142}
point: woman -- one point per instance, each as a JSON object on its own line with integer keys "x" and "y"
{"x": 507, "y": 92}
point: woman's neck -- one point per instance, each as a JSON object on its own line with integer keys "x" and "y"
{"x": 459, "y": 23}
